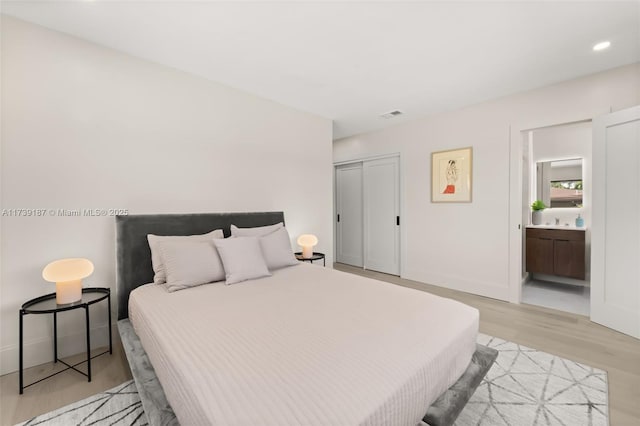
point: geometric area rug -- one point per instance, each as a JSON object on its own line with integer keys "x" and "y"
{"x": 118, "y": 406}
{"x": 524, "y": 387}
{"x": 530, "y": 387}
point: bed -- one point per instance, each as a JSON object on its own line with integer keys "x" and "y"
{"x": 307, "y": 345}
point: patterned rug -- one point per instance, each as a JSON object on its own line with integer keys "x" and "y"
{"x": 524, "y": 387}
{"x": 118, "y": 406}
{"x": 530, "y": 387}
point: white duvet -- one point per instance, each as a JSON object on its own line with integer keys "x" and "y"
{"x": 306, "y": 346}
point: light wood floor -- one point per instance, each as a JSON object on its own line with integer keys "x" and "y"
{"x": 567, "y": 335}
{"x": 107, "y": 370}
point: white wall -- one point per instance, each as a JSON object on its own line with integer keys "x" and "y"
{"x": 467, "y": 246}
{"x": 88, "y": 127}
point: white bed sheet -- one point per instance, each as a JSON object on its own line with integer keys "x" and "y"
{"x": 306, "y": 346}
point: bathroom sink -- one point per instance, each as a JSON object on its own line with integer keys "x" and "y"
{"x": 549, "y": 226}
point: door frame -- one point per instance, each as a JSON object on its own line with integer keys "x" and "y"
{"x": 401, "y": 194}
{"x": 518, "y": 133}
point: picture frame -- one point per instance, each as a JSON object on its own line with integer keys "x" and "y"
{"x": 452, "y": 176}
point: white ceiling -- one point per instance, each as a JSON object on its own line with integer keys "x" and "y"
{"x": 352, "y": 61}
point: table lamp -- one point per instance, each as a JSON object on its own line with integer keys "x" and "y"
{"x": 68, "y": 275}
{"x": 307, "y": 241}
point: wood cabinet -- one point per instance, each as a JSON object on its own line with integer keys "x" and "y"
{"x": 540, "y": 255}
{"x": 556, "y": 252}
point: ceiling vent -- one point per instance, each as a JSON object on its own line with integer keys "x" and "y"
{"x": 391, "y": 114}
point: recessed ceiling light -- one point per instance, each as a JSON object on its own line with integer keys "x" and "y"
{"x": 601, "y": 46}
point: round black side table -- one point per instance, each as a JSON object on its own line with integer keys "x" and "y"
{"x": 316, "y": 256}
{"x": 47, "y": 305}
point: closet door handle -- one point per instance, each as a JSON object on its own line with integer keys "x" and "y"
{"x": 338, "y": 218}
{"x": 398, "y": 220}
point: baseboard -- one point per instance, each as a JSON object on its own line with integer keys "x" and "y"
{"x": 456, "y": 283}
{"x": 557, "y": 279}
{"x": 40, "y": 351}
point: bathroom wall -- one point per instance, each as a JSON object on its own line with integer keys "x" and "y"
{"x": 563, "y": 143}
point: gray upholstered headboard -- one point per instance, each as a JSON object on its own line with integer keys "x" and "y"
{"x": 133, "y": 266}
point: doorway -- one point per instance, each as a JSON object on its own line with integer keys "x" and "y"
{"x": 367, "y": 214}
{"x": 556, "y": 249}
{"x": 614, "y": 186}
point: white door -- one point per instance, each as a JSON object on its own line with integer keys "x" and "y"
{"x": 382, "y": 215}
{"x": 615, "y": 234}
{"x": 349, "y": 214}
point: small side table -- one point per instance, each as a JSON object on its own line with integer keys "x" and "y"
{"x": 316, "y": 256}
{"x": 47, "y": 305}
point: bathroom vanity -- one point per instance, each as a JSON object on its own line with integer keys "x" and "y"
{"x": 556, "y": 250}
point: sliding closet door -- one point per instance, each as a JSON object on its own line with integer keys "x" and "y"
{"x": 615, "y": 235}
{"x": 382, "y": 215}
{"x": 349, "y": 214}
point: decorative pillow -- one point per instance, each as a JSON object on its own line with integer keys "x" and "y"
{"x": 242, "y": 259}
{"x": 276, "y": 249}
{"x": 156, "y": 262}
{"x": 258, "y": 231}
{"x": 190, "y": 263}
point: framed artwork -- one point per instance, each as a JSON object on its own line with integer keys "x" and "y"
{"x": 451, "y": 176}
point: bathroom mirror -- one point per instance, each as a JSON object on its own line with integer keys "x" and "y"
{"x": 559, "y": 183}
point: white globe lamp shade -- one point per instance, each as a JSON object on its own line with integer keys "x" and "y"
{"x": 68, "y": 275}
{"x": 307, "y": 242}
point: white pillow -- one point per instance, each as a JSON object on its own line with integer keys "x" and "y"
{"x": 258, "y": 231}
{"x": 276, "y": 250}
{"x": 160, "y": 276}
{"x": 190, "y": 263}
{"x": 242, "y": 259}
